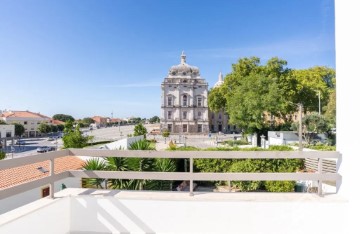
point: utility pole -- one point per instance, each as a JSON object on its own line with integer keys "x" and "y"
{"x": 319, "y": 103}
{"x": 300, "y": 127}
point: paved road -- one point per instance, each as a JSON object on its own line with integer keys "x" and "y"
{"x": 30, "y": 146}
{"x": 115, "y": 133}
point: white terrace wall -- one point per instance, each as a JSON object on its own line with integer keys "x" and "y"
{"x": 52, "y": 218}
{"x": 89, "y": 214}
{"x": 21, "y": 199}
{"x": 124, "y": 143}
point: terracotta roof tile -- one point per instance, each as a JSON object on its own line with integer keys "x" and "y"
{"x": 18, "y": 175}
{"x": 23, "y": 114}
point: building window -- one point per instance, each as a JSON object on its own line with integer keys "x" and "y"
{"x": 169, "y": 127}
{"x": 8, "y": 134}
{"x": 169, "y": 114}
{"x": 170, "y": 101}
{"x": 25, "y": 122}
{"x": 45, "y": 192}
{"x": 219, "y": 115}
{"x": 185, "y": 100}
{"x": 212, "y": 116}
{"x": 199, "y": 114}
{"x": 184, "y": 115}
{"x": 184, "y": 127}
{"x": 212, "y": 127}
{"x": 199, "y": 101}
{"x": 199, "y": 128}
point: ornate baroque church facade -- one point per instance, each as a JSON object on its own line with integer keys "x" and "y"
{"x": 184, "y": 108}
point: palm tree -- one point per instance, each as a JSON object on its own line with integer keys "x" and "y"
{"x": 94, "y": 164}
{"x": 132, "y": 164}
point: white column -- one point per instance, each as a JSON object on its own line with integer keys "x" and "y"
{"x": 347, "y": 40}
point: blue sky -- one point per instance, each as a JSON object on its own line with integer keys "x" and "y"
{"x": 87, "y": 58}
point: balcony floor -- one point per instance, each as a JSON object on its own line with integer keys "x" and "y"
{"x": 115, "y": 211}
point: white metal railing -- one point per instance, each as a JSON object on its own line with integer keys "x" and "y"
{"x": 320, "y": 176}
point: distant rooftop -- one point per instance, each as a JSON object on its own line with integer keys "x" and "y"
{"x": 23, "y": 114}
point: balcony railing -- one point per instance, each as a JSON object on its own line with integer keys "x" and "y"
{"x": 320, "y": 175}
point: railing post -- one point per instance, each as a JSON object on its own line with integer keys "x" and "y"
{"x": 320, "y": 165}
{"x": 229, "y": 183}
{"x": 191, "y": 177}
{"x": 51, "y": 195}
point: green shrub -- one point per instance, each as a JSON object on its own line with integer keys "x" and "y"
{"x": 280, "y": 186}
{"x": 236, "y": 142}
{"x": 246, "y": 165}
{"x": 172, "y": 146}
{"x": 2, "y": 155}
{"x": 323, "y": 147}
{"x": 212, "y": 165}
{"x": 280, "y": 148}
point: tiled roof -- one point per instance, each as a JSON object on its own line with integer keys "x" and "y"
{"x": 18, "y": 175}
{"x": 23, "y": 114}
{"x": 57, "y": 122}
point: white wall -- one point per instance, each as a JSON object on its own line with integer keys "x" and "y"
{"x": 21, "y": 199}
{"x": 124, "y": 143}
{"x": 91, "y": 214}
{"x": 53, "y": 218}
{"x": 7, "y": 128}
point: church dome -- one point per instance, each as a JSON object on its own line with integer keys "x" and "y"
{"x": 184, "y": 69}
{"x": 220, "y": 81}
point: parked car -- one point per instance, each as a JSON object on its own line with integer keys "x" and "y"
{"x": 43, "y": 149}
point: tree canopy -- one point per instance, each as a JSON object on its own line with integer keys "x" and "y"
{"x": 44, "y": 128}
{"x": 19, "y": 129}
{"x": 140, "y": 130}
{"x": 252, "y": 92}
{"x": 63, "y": 117}
{"x": 154, "y": 119}
{"x": 73, "y": 138}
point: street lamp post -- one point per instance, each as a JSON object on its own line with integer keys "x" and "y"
{"x": 300, "y": 128}
{"x": 319, "y": 103}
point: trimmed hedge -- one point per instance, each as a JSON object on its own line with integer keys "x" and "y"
{"x": 250, "y": 165}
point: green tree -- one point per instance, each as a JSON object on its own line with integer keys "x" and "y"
{"x": 140, "y": 130}
{"x": 255, "y": 96}
{"x": 54, "y": 128}
{"x": 2, "y": 122}
{"x": 19, "y": 129}
{"x": 310, "y": 82}
{"x": 165, "y": 134}
{"x": 87, "y": 121}
{"x": 330, "y": 109}
{"x": 61, "y": 127}
{"x": 74, "y": 138}
{"x": 44, "y": 128}
{"x": 154, "y": 119}
{"x": 63, "y": 117}
{"x": 216, "y": 99}
{"x": 312, "y": 124}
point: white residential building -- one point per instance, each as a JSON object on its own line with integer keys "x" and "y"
{"x": 184, "y": 107}
{"x": 7, "y": 131}
{"x": 30, "y": 120}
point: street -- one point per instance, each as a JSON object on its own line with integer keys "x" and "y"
{"x": 30, "y": 146}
